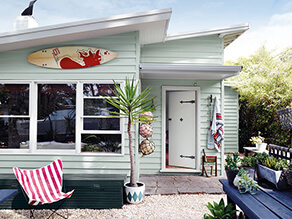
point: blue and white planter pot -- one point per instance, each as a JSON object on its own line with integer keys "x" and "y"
{"x": 135, "y": 195}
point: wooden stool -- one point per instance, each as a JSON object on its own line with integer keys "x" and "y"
{"x": 208, "y": 161}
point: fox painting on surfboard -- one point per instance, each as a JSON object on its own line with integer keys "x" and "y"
{"x": 71, "y": 57}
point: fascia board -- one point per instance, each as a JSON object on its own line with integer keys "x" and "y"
{"x": 83, "y": 29}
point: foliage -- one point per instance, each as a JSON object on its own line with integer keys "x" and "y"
{"x": 220, "y": 211}
{"x": 231, "y": 162}
{"x": 272, "y": 162}
{"x": 260, "y": 157}
{"x": 242, "y": 172}
{"x": 130, "y": 105}
{"x": 264, "y": 86}
{"x": 248, "y": 161}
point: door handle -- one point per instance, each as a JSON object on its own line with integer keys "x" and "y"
{"x": 191, "y": 157}
{"x": 169, "y": 119}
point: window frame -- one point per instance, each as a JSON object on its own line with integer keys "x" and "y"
{"x": 16, "y": 150}
{"x": 33, "y": 97}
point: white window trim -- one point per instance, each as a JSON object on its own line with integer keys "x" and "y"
{"x": 33, "y": 94}
{"x": 197, "y": 131}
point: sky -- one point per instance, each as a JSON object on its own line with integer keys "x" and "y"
{"x": 270, "y": 20}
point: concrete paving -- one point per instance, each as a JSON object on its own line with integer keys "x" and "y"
{"x": 170, "y": 185}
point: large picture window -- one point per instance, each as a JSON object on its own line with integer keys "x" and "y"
{"x": 59, "y": 118}
{"x": 14, "y": 116}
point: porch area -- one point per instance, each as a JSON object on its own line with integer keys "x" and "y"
{"x": 181, "y": 184}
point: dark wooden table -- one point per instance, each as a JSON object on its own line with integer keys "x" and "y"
{"x": 266, "y": 204}
{"x": 6, "y": 194}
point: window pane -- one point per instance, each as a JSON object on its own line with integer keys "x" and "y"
{"x": 14, "y": 133}
{"x": 14, "y": 99}
{"x": 94, "y": 90}
{"x": 97, "y": 107}
{"x": 56, "y": 116}
{"x": 110, "y": 143}
{"x": 101, "y": 124}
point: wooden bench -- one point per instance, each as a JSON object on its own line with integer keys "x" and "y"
{"x": 280, "y": 152}
{"x": 267, "y": 203}
{"x": 94, "y": 191}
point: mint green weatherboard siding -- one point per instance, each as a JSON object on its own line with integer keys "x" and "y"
{"x": 230, "y": 120}
{"x": 14, "y": 64}
{"x": 15, "y": 67}
{"x": 205, "y": 50}
{"x": 152, "y": 164}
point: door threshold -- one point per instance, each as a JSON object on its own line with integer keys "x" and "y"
{"x": 179, "y": 170}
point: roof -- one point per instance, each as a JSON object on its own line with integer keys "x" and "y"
{"x": 152, "y": 27}
{"x": 198, "y": 72}
{"x": 229, "y": 33}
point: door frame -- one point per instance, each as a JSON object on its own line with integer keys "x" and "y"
{"x": 197, "y": 128}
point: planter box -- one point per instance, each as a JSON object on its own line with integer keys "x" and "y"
{"x": 275, "y": 177}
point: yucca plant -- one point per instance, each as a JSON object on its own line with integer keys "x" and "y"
{"x": 131, "y": 105}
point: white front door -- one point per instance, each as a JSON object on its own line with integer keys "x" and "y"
{"x": 181, "y": 128}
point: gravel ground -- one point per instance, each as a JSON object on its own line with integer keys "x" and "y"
{"x": 154, "y": 206}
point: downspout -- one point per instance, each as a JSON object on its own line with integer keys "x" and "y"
{"x": 223, "y": 116}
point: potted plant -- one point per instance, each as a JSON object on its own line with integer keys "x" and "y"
{"x": 259, "y": 142}
{"x": 131, "y": 105}
{"x": 220, "y": 211}
{"x": 231, "y": 167}
{"x": 246, "y": 183}
{"x": 248, "y": 163}
{"x": 252, "y": 186}
{"x": 241, "y": 173}
{"x": 271, "y": 169}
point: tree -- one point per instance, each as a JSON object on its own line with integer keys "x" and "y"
{"x": 264, "y": 86}
{"x": 131, "y": 105}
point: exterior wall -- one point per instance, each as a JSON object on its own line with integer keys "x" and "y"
{"x": 206, "y": 50}
{"x": 14, "y": 66}
{"x": 152, "y": 164}
{"x": 230, "y": 120}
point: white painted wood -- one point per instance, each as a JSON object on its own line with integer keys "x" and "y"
{"x": 181, "y": 128}
{"x": 197, "y": 125}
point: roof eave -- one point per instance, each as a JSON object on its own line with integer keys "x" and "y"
{"x": 224, "y": 32}
{"x": 195, "y": 72}
{"x": 151, "y": 24}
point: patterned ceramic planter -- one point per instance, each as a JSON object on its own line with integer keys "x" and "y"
{"x": 135, "y": 195}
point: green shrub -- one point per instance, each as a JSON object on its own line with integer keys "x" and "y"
{"x": 220, "y": 211}
{"x": 264, "y": 86}
{"x": 261, "y": 157}
{"x": 248, "y": 161}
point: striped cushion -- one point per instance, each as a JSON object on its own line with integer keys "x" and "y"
{"x": 44, "y": 185}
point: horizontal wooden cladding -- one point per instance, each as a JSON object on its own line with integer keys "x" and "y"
{"x": 197, "y": 50}
{"x": 230, "y": 119}
{"x": 14, "y": 64}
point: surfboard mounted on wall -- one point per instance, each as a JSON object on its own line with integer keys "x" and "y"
{"x": 71, "y": 57}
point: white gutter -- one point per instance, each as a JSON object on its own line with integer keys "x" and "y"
{"x": 220, "y": 31}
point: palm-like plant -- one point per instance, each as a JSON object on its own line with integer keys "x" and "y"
{"x": 131, "y": 105}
